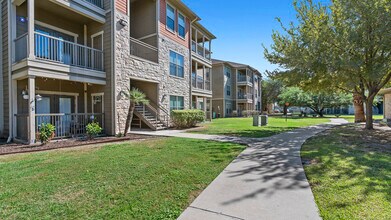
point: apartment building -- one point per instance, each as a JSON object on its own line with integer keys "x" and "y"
{"x": 236, "y": 88}
{"x": 67, "y": 63}
{"x": 386, "y": 103}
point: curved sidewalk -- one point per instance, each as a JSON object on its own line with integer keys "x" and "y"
{"x": 266, "y": 181}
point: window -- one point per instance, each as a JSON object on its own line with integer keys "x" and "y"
{"x": 176, "y": 103}
{"x": 177, "y": 63}
{"x": 170, "y": 19}
{"x": 181, "y": 26}
{"x": 227, "y": 71}
{"x": 228, "y": 90}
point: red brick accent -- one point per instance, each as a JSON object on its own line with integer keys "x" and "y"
{"x": 173, "y": 36}
{"x": 122, "y": 5}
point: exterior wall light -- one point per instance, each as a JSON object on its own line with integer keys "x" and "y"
{"x": 123, "y": 22}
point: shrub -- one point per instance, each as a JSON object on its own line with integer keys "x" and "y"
{"x": 93, "y": 130}
{"x": 46, "y": 132}
{"x": 187, "y": 118}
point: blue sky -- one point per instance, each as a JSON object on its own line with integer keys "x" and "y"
{"x": 242, "y": 26}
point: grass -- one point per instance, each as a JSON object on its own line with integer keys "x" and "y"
{"x": 350, "y": 173}
{"x": 243, "y": 127}
{"x": 350, "y": 118}
{"x": 152, "y": 179}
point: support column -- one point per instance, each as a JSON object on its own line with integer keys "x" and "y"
{"x": 85, "y": 98}
{"x": 204, "y": 76}
{"x": 31, "y": 19}
{"x": 14, "y": 108}
{"x": 31, "y": 111}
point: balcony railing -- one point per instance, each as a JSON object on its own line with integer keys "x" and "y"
{"x": 98, "y": 3}
{"x": 200, "y": 50}
{"x": 244, "y": 78}
{"x": 68, "y": 125}
{"x": 200, "y": 84}
{"x": 60, "y": 51}
{"x": 143, "y": 50}
{"x": 245, "y": 96}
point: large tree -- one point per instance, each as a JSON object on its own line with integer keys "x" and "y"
{"x": 271, "y": 89}
{"x": 344, "y": 45}
{"x": 317, "y": 102}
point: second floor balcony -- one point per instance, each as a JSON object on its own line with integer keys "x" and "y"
{"x": 245, "y": 97}
{"x": 59, "y": 51}
{"x": 244, "y": 80}
{"x": 200, "y": 84}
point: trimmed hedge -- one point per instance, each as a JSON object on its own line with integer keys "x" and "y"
{"x": 187, "y": 118}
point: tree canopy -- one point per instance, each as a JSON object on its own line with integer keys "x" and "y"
{"x": 344, "y": 45}
{"x": 318, "y": 102}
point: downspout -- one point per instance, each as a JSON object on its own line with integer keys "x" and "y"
{"x": 113, "y": 81}
{"x": 190, "y": 63}
{"x": 10, "y": 52}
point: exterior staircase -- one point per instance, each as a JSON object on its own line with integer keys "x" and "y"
{"x": 156, "y": 118}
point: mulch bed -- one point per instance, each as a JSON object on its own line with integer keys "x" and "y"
{"x": 15, "y": 148}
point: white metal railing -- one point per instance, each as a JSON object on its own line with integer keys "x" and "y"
{"x": 21, "y": 45}
{"x": 68, "y": 125}
{"x": 242, "y": 78}
{"x": 201, "y": 50}
{"x": 245, "y": 96}
{"x": 98, "y": 3}
{"x": 143, "y": 50}
{"x": 58, "y": 50}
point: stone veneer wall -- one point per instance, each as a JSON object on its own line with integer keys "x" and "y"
{"x": 387, "y": 106}
{"x": 128, "y": 66}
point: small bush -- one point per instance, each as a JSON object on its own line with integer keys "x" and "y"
{"x": 46, "y": 132}
{"x": 187, "y": 118}
{"x": 93, "y": 130}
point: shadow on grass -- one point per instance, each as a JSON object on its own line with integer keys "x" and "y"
{"x": 351, "y": 165}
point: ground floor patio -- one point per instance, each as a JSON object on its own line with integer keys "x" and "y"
{"x": 67, "y": 105}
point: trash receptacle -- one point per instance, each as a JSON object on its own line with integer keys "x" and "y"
{"x": 260, "y": 120}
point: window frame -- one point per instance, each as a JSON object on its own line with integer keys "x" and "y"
{"x": 178, "y": 25}
{"x": 228, "y": 91}
{"x": 175, "y": 15}
{"x": 226, "y": 68}
{"x": 177, "y": 107}
{"x": 177, "y": 65}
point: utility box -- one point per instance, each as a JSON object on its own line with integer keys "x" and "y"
{"x": 260, "y": 120}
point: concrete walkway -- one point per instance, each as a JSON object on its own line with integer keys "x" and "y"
{"x": 266, "y": 181}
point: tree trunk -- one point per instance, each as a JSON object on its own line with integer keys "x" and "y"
{"x": 359, "y": 113}
{"x": 285, "y": 110}
{"x": 369, "y": 113}
{"x": 129, "y": 118}
{"x": 321, "y": 113}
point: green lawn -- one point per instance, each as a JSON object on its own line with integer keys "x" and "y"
{"x": 243, "y": 127}
{"x": 152, "y": 179}
{"x": 350, "y": 173}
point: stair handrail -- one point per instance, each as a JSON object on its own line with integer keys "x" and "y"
{"x": 166, "y": 114}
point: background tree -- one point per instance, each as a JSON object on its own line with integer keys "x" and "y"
{"x": 317, "y": 102}
{"x": 341, "y": 46}
{"x": 271, "y": 89}
{"x": 135, "y": 97}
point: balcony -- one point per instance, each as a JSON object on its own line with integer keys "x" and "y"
{"x": 59, "y": 51}
{"x": 97, "y": 3}
{"x": 200, "y": 85}
{"x": 244, "y": 80}
{"x": 143, "y": 50}
{"x": 245, "y": 97}
{"x": 201, "y": 51}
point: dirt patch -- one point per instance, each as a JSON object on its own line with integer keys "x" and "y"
{"x": 308, "y": 162}
{"x": 378, "y": 140}
{"x": 15, "y": 148}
